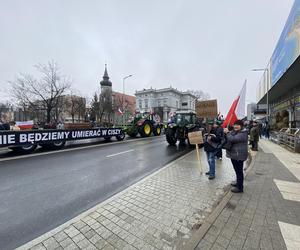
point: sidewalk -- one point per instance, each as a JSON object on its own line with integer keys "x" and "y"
{"x": 163, "y": 211}
{"x": 267, "y": 215}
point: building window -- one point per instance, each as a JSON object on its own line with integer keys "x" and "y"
{"x": 158, "y": 102}
{"x": 177, "y": 104}
{"x": 140, "y": 104}
{"x": 146, "y": 103}
{"x": 184, "y": 104}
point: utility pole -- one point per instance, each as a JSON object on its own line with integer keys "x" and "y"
{"x": 123, "y": 103}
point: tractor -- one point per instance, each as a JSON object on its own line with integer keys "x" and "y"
{"x": 179, "y": 126}
{"x": 145, "y": 124}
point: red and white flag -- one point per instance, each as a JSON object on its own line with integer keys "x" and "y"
{"x": 25, "y": 125}
{"x": 237, "y": 109}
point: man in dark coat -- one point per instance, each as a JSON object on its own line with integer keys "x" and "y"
{"x": 254, "y": 136}
{"x": 220, "y": 133}
{"x": 212, "y": 141}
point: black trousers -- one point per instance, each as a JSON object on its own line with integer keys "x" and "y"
{"x": 254, "y": 145}
{"x": 219, "y": 153}
{"x": 239, "y": 171}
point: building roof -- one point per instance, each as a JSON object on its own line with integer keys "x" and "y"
{"x": 151, "y": 90}
{"x": 106, "y": 81}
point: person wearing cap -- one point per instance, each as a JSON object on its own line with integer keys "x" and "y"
{"x": 254, "y": 136}
{"x": 237, "y": 151}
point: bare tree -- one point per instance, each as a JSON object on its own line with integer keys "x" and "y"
{"x": 120, "y": 102}
{"x": 77, "y": 105}
{"x": 200, "y": 95}
{"x": 43, "y": 93}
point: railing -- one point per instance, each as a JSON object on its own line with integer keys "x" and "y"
{"x": 289, "y": 137}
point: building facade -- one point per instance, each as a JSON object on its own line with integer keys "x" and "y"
{"x": 164, "y": 101}
{"x": 123, "y": 106}
{"x": 279, "y": 87}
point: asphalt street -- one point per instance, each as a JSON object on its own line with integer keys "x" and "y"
{"x": 41, "y": 192}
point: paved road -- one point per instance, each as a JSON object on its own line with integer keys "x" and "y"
{"x": 40, "y": 192}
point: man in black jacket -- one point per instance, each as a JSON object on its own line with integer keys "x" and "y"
{"x": 213, "y": 139}
{"x": 220, "y": 133}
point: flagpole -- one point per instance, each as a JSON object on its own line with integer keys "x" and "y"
{"x": 236, "y": 104}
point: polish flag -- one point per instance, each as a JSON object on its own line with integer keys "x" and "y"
{"x": 120, "y": 111}
{"x": 25, "y": 125}
{"x": 237, "y": 109}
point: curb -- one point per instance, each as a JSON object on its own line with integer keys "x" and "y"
{"x": 209, "y": 221}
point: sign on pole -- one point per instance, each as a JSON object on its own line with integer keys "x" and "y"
{"x": 207, "y": 109}
{"x": 196, "y": 138}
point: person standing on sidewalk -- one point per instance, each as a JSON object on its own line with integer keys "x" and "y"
{"x": 237, "y": 152}
{"x": 212, "y": 141}
{"x": 254, "y": 136}
{"x": 220, "y": 133}
{"x": 267, "y": 130}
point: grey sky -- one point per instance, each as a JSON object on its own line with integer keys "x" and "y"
{"x": 209, "y": 45}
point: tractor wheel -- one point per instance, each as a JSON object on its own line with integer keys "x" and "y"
{"x": 58, "y": 145}
{"x": 26, "y": 149}
{"x": 107, "y": 138}
{"x": 157, "y": 130}
{"x": 146, "y": 129}
{"x": 182, "y": 141}
{"x": 132, "y": 131}
{"x": 121, "y": 137}
{"x": 171, "y": 137}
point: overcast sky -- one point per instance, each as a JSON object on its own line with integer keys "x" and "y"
{"x": 210, "y": 45}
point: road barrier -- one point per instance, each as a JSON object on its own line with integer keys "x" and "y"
{"x": 289, "y": 137}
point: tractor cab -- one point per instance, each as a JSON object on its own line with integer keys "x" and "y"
{"x": 182, "y": 118}
{"x": 180, "y": 125}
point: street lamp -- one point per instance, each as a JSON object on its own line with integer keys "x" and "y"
{"x": 268, "y": 87}
{"x": 123, "y": 106}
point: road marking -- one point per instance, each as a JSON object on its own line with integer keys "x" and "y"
{"x": 290, "y": 235}
{"x": 288, "y": 190}
{"x": 73, "y": 149}
{"x": 124, "y": 152}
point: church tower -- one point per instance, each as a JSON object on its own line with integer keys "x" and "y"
{"x": 106, "y": 98}
{"x": 106, "y": 84}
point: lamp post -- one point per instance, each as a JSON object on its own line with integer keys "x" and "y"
{"x": 123, "y": 106}
{"x": 268, "y": 87}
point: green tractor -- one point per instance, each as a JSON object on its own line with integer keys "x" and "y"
{"x": 180, "y": 125}
{"x": 145, "y": 125}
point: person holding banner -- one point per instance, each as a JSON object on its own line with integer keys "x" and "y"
{"x": 237, "y": 151}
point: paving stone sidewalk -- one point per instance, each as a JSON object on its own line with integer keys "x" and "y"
{"x": 163, "y": 211}
{"x": 252, "y": 220}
